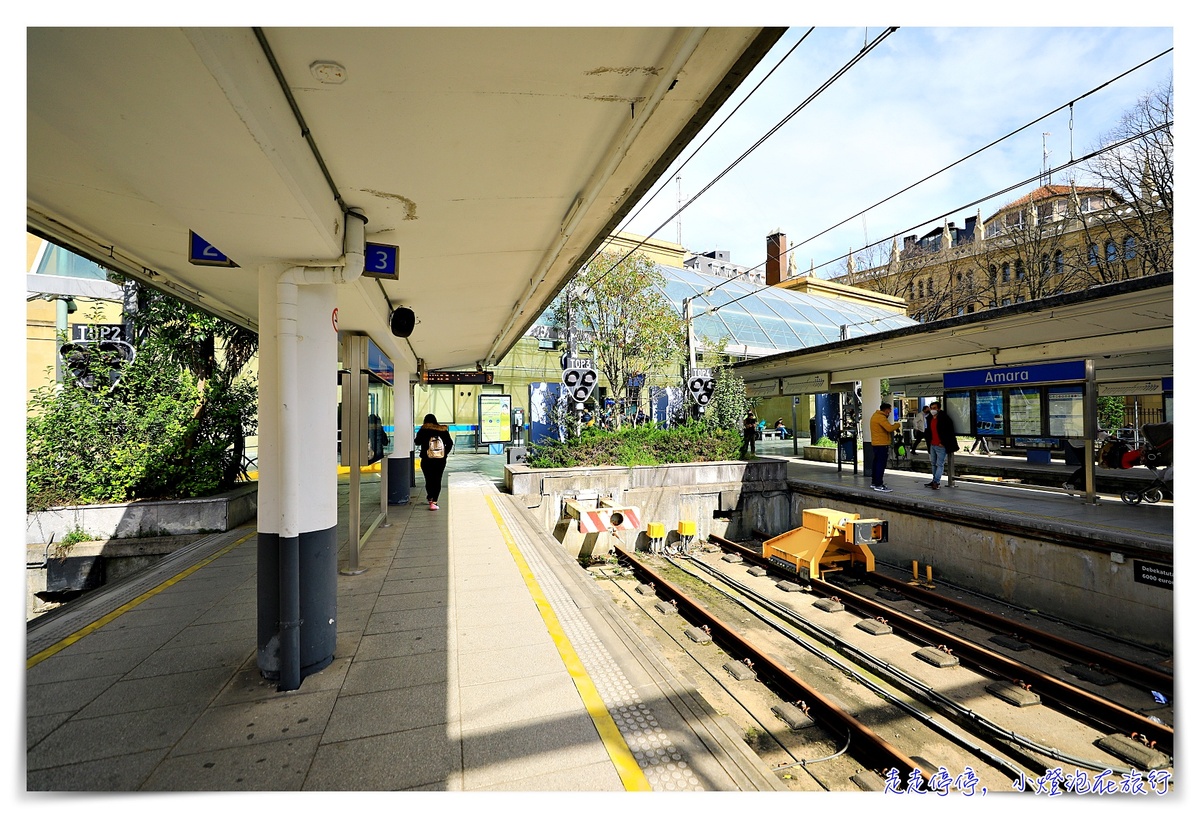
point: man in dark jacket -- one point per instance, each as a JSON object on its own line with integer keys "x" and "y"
{"x": 942, "y": 441}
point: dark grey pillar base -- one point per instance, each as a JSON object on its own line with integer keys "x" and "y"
{"x": 318, "y": 602}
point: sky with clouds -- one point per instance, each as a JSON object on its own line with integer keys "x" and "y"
{"x": 921, "y": 99}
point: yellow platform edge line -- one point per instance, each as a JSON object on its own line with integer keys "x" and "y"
{"x": 622, "y": 757}
{"x": 129, "y": 606}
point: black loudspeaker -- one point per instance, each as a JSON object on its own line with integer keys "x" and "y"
{"x": 403, "y": 321}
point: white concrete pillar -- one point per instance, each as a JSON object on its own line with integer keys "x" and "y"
{"x": 312, "y": 536}
{"x": 401, "y": 467}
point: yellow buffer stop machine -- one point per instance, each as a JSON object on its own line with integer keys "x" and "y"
{"x": 828, "y": 540}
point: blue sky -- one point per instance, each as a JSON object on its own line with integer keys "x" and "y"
{"x": 923, "y": 99}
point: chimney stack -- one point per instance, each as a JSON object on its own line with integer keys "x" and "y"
{"x": 776, "y": 258}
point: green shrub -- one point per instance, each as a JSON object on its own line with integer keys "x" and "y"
{"x": 825, "y": 443}
{"x": 644, "y": 445}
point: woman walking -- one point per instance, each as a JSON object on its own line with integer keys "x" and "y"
{"x": 434, "y": 441}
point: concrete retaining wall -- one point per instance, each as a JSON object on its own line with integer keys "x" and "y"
{"x": 220, "y": 512}
{"x": 725, "y": 498}
{"x": 1087, "y": 586}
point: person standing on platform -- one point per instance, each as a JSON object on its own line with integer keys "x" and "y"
{"x": 882, "y": 430}
{"x": 942, "y": 441}
{"x": 920, "y": 425}
{"x": 434, "y": 440}
{"x": 749, "y": 433}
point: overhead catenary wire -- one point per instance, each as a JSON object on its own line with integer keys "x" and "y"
{"x": 1073, "y": 161}
{"x": 668, "y": 177}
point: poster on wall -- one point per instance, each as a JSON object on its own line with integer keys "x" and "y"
{"x": 989, "y": 412}
{"x": 495, "y": 419}
{"x": 544, "y": 397}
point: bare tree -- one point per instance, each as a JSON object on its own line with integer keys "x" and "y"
{"x": 1137, "y": 161}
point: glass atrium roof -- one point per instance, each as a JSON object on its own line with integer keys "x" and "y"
{"x": 762, "y": 321}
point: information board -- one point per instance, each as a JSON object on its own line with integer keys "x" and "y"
{"x": 495, "y": 419}
{"x": 1066, "y": 411}
{"x": 1025, "y": 410}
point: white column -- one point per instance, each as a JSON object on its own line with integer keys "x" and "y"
{"x": 297, "y": 558}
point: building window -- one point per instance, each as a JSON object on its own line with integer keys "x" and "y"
{"x": 1110, "y": 250}
{"x": 1020, "y": 299}
{"x": 929, "y": 287}
{"x": 1058, "y": 262}
{"x": 1005, "y": 273}
{"x": 1006, "y": 302}
{"x": 1045, "y": 265}
{"x": 991, "y": 274}
{"x": 970, "y": 308}
{"x": 920, "y": 289}
{"x": 1020, "y": 269}
{"x": 1093, "y": 255}
{"x": 1130, "y": 247}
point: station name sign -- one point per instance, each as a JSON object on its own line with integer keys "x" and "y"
{"x": 1069, "y": 371}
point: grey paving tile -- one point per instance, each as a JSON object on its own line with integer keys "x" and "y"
{"x": 195, "y": 688}
{"x": 388, "y": 711}
{"x": 75, "y": 665}
{"x": 117, "y": 774}
{"x": 165, "y": 661}
{"x": 268, "y": 767}
{"x": 402, "y": 643}
{"x": 229, "y": 611}
{"x": 244, "y": 631}
{"x": 417, "y": 585}
{"x": 475, "y": 639}
{"x": 413, "y": 601}
{"x": 503, "y": 664}
{"x": 598, "y": 777}
{"x": 526, "y": 749}
{"x": 545, "y": 697}
{"x": 38, "y": 727}
{"x": 122, "y": 734}
{"x": 65, "y": 697}
{"x": 248, "y": 685}
{"x": 118, "y": 639}
{"x": 421, "y": 619}
{"x": 422, "y": 758}
{"x": 288, "y": 715}
{"x": 395, "y": 672}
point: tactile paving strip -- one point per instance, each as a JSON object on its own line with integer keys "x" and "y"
{"x": 660, "y": 760}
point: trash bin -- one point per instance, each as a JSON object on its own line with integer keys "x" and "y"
{"x": 399, "y": 474}
{"x": 848, "y": 449}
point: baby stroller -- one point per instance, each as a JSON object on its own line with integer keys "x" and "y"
{"x": 1155, "y": 454}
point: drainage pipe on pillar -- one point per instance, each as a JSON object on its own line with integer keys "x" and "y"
{"x": 346, "y": 270}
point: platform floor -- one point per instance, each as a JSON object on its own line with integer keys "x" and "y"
{"x": 472, "y": 656}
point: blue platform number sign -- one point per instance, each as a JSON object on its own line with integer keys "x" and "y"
{"x": 382, "y": 260}
{"x": 204, "y": 254}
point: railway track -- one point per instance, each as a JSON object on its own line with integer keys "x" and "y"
{"x": 993, "y": 749}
